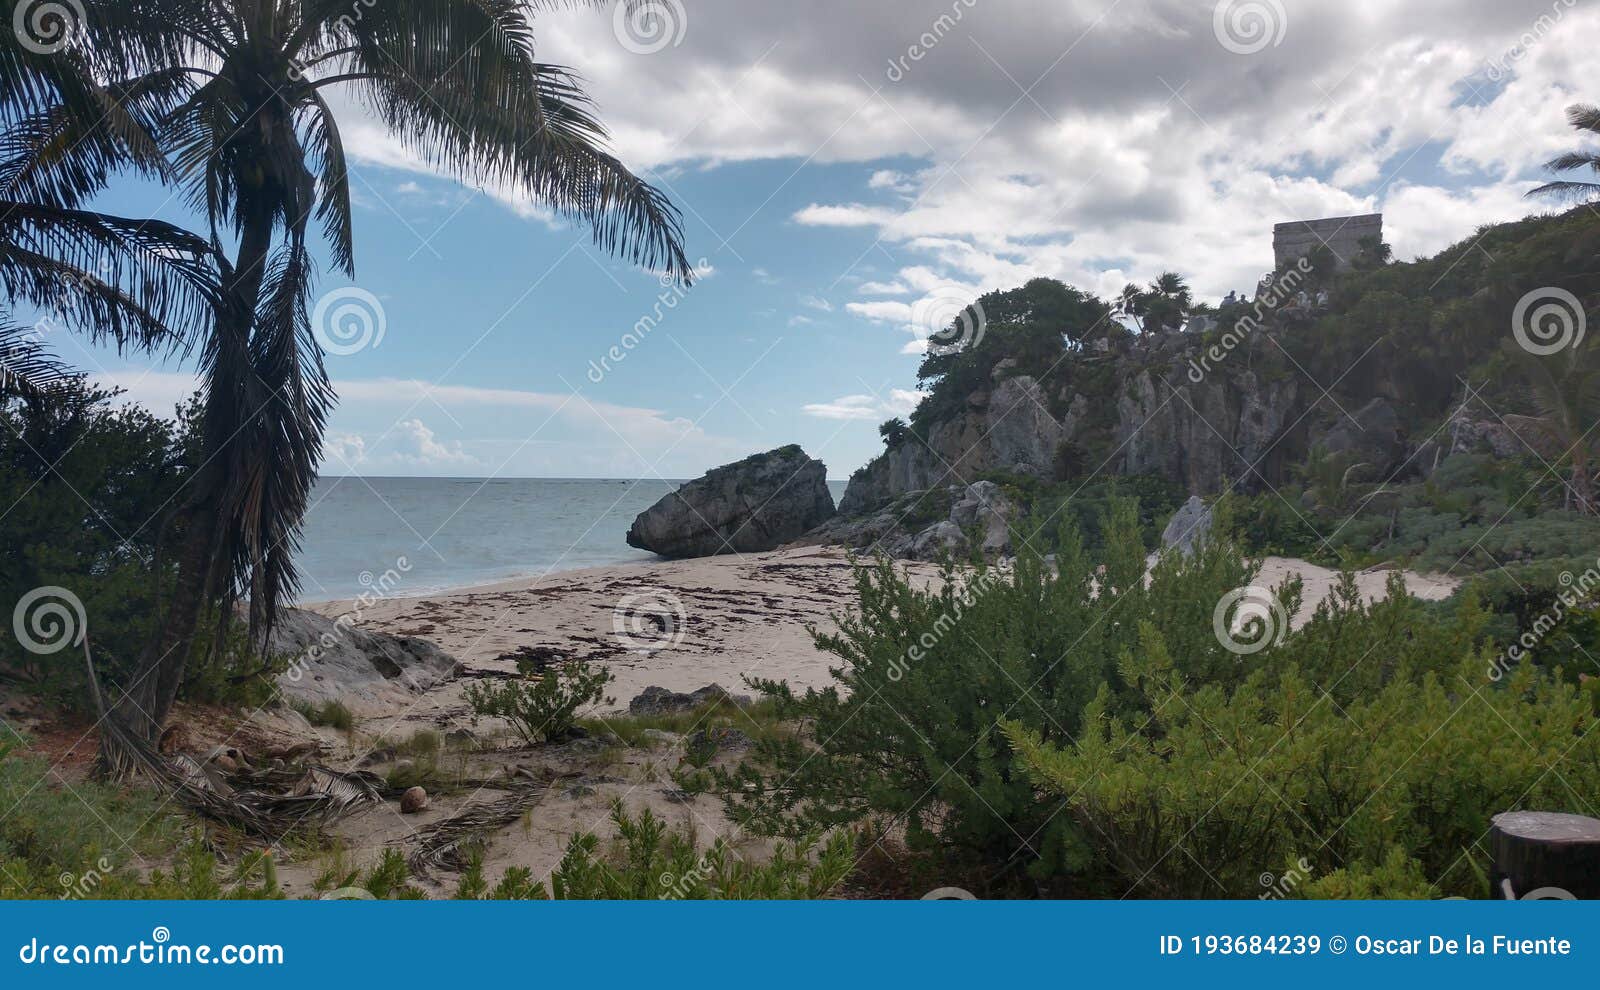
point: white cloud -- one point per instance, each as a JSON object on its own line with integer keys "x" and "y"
{"x": 866, "y": 407}
{"x": 423, "y": 448}
{"x": 882, "y": 288}
{"x": 377, "y": 428}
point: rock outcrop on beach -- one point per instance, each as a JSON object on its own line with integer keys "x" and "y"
{"x": 757, "y": 504}
{"x": 925, "y": 525}
{"x": 1189, "y": 526}
{"x": 334, "y": 660}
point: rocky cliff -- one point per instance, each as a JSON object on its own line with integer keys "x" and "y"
{"x": 1231, "y": 426}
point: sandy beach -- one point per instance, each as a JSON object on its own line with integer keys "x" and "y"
{"x": 724, "y": 618}
{"x": 721, "y": 619}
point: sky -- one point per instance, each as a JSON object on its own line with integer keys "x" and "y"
{"x": 852, "y": 173}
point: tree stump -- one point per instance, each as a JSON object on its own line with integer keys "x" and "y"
{"x": 1545, "y": 855}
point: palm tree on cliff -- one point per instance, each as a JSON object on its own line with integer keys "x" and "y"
{"x": 1170, "y": 302}
{"x": 1584, "y": 117}
{"x": 257, "y": 146}
{"x": 1566, "y": 393}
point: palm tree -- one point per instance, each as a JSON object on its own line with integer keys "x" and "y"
{"x": 1132, "y": 303}
{"x": 1584, "y": 117}
{"x": 1566, "y": 390}
{"x": 138, "y": 284}
{"x": 246, "y": 122}
{"x": 1168, "y": 301}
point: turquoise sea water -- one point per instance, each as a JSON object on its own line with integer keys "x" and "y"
{"x": 457, "y": 532}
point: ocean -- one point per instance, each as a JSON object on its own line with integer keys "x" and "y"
{"x": 415, "y": 536}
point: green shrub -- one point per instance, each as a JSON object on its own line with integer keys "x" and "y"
{"x": 332, "y": 713}
{"x": 89, "y": 487}
{"x": 1207, "y": 783}
{"x": 658, "y": 863}
{"x": 91, "y": 841}
{"x": 909, "y": 734}
{"x": 540, "y": 710}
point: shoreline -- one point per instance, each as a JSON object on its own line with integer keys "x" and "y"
{"x": 685, "y": 624}
{"x": 677, "y": 624}
{"x": 498, "y": 584}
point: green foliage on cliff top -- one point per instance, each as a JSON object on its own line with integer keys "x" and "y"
{"x": 1411, "y": 333}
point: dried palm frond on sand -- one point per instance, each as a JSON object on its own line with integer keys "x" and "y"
{"x": 440, "y": 845}
{"x": 268, "y": 803}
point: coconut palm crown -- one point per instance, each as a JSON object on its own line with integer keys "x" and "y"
{"x": 241, "y": 95}
{"x": 1586, "y": 118}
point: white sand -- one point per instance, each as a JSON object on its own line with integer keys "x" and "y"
{"x": 725, "y": 618}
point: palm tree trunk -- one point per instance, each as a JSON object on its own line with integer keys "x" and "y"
{"x": 142, "y": 706}
{"x": 1582, "y": 479}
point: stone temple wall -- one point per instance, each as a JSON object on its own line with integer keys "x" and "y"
{"x": 1343, "y": 236}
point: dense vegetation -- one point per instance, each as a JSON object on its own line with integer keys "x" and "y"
{"x": 91, "y": 487}
{"x": 1428, "y": 338}
{"x": 1074, "y": 730}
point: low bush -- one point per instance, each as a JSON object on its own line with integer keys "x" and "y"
{"x": 541, "y": 709}
{"x": 332, "y": 713}
{"x": 654, "y": 862}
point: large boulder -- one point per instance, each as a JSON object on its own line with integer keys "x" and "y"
{"x": 756, "y": 504}
{"x": 1188, "y": 527}
{"x": 335, "y": 660}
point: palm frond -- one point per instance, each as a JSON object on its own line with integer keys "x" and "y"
{"x": 273, "y": 394}
{"x": 491, "y": 113}
{"x": 1586, "y": 118}
{"x": 26, "y": 367}
{"x": 138, "y": 283}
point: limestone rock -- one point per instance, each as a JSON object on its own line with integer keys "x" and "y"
{"x": 1188, "y": 526}
{"x": 759, "y": 503}
{"x": 656, "y": 700}
{"x": 925, "y": 525}
{"x": 336, "y": 660}
{"x": 1371, "y": 435}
